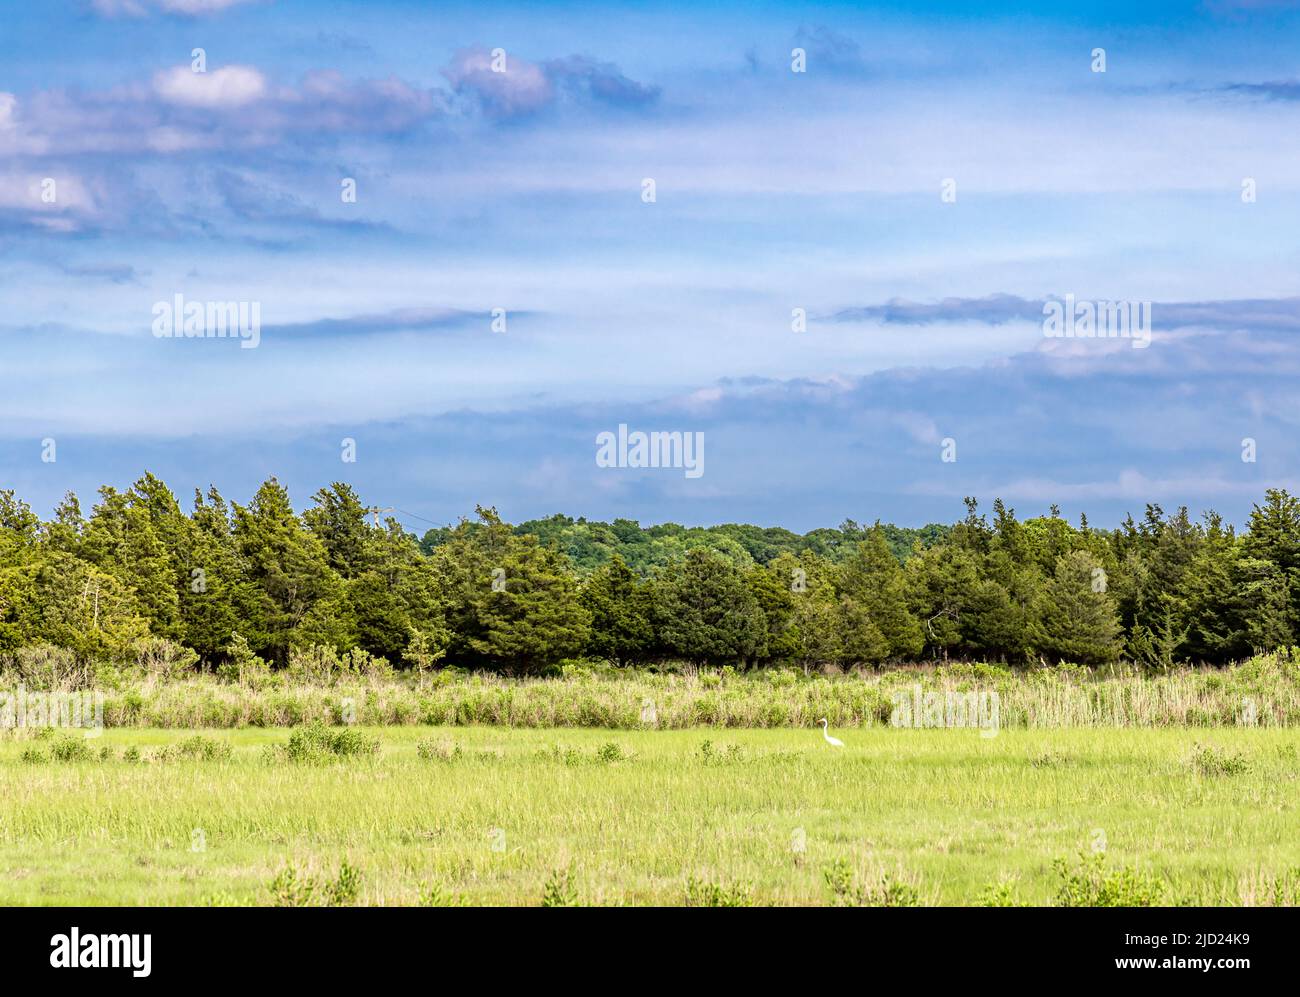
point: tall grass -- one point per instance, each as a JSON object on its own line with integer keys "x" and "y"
{"x": 1263, "y": 692}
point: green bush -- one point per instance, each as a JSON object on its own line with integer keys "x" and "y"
{"x": 436, "y": 896}
{"x": 1091, "y": 884}
{"x": 316, "y": 743}
{"x": 702, "y": 893}
{"x": 1209, "y": 760}
{"x": 610, "y": 752}
{"x": 195, "y": 748}
{"x": 244, "y": 667}
{"x": 439, "y": 749}
{"x": 292, "y": 888}
{"x": 70, "y": 748}
{"x": 560, "y": 890}
{"x": 850, "y": 890}
{"x": 1002, "y": 894}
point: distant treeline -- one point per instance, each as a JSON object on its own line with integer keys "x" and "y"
{"x": 593, "y": 544}
{"x": 229, "y": 580}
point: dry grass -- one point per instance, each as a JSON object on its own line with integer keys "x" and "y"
{"x": 1263, "y": 692}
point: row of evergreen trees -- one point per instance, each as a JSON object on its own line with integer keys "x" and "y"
{"x": 484, "y": 594}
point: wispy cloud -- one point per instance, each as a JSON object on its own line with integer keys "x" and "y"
{"x": 1269, "y": 314}
{"x": 143, "y": 8}
{"x": 117, "y": 273}
{"x": 226, "y": 108}
{"x": 1272, "y": 90}
{"x": 507, "y": 85}
{"x": 397, "y": 320}
{"x": 992, "y": 310}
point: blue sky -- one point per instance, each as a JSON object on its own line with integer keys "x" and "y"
{"x": 522, "y": 190}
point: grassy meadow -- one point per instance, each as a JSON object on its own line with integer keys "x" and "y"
{"x": 408, "y": 815}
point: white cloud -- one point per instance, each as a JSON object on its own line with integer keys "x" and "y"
{"x": 520, "y": 88}
{"x": 75, "y": 201}
{"x": 198, "y": 6}
{"x": 229, "y": 86}
{"x": 143, "y": 8}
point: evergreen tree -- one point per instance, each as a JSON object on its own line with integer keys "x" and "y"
{"x": 216, "y": 600}
{"x": 815, "y": 627}
{"x": 776, "y": 603}
{"x": 873, "y": 580}
{"x": 532, "y": 617}
{"x": 19, "y": 529}
{"x": 704, "y": 612}
{"x": 66, "y": 531}
{"x": 338, "y": 520}
{"x": 1213, "y": 609}
{"x": 858, "y": 637}
{"x": 620, "y": 613}
{"x": 286, "y": 565}
{"x": 380, "y": 625}
{"x": 121, "y": 539}
{"x": 941, "y": 583}
{"x": 1077, "y": 622}
{"x": 59, "y": 599}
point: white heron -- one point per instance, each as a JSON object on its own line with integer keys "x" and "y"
{"x": 834, "y": 742}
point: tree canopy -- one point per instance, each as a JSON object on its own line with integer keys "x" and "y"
{"x": 485, "y": 594}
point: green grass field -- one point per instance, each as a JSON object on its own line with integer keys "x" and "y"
{"x": 494, "y": 815}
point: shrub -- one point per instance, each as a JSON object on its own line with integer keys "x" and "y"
{"x": 610, "y": 752}
{"x": 435, "y": 896}
{"x": 1208, "y": 760}
{"x": 440, "y": 749}
{"x": 710, "y": 754}
{"x": 1281, "y": 890}
{"x": 243, "y": 666}
{"x": 848, "y": 889}
{"x": 1090, "y": 884}
{"x": 1002, "y": 894}
{"x": 317, "y": 743}
{"x": 70, "y": 748}
{"x": 321, "y": 664}
{"x": 291, "y": 888}
{"x": 47, "y": 668}
{"x": 315, "y": 664}
{"x": 195, "y": 748}
{"x": 701, "y": 893}
{"x": 163, "y": 659}
{"x": 569, "y": 756}
{"x": 560, "y": 890}
{"x": 204, "y": 749}
{"x": 346, "y": 886}
{"x": 425, "y": 649}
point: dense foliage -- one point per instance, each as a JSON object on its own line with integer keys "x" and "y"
{"x": 243, "y": 586}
